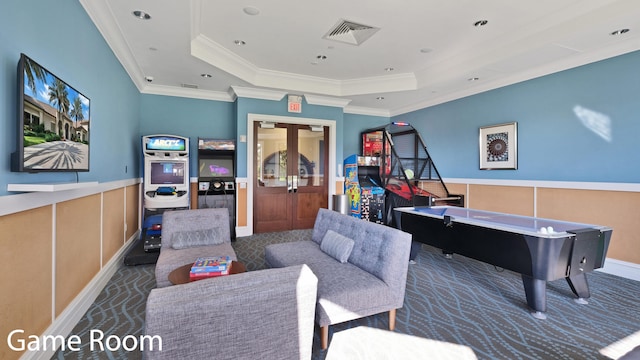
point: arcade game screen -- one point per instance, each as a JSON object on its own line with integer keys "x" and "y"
{"x": 169, "y": 173}
{"x": 215, "y": 168}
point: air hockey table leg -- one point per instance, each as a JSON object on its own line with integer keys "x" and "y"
{"x": 536, "y": 293}
{"x": 580, "y": 287}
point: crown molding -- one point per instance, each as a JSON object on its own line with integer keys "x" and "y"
{"x": 326, "y": 101}
{"x": 101, "y": 15}
{"x": 379, "y": 84}
{"x": 209, "y": 51}
{"x": 255, "y": 93}
{"x": 579, "y": 59}
{"x": 213, "y": 53}
{"x": 360, "y": 110}
{"x": 187, "y": 93}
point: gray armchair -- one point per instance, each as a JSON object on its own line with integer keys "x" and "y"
{"x": 266, "y": 314}
{"x": 189, "y": 234}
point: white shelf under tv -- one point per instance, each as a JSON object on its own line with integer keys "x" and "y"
{"x": 50, "y": 187}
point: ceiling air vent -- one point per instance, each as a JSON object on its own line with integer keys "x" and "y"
{"x": 189, "y": 86}
{"x": 350, "y": 32}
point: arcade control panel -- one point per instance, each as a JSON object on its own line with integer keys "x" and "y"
{"x": 215, "y": 186}
{"x": 166, "y": 191}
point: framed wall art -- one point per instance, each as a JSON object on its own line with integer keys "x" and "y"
{"x": 499, "y": 146}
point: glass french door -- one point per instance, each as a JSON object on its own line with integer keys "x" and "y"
{"x": 291, "y": 177}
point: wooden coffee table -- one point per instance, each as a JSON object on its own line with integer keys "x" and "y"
{"x": 181, "y": 274}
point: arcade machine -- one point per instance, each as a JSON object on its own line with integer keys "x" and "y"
{"x": 166, "y": 173}
{"x": 407, "y": 170}
{"x": 364, "y": 188}
{"x": 216, "y": 177}
{"x": 165, "y": 187}
{"x": 408, "y": 173}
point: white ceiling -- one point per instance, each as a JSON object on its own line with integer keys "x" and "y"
{"x": 432, "y": 46}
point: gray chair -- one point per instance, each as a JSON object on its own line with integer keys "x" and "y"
{"x": 189, "y": 234}
{"x": 266, "y": 314}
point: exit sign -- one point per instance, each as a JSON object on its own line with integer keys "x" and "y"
{"x": 295, "y": 104}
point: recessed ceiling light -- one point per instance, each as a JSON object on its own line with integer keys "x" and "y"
{"x": 321, "y": 57}
{"x": 206, "y": 76}
{"x": 426, "y": 50}
{"x": 141, "y": 15}
{"x": 388, "y": 69}
{"x": 480, "y": 23}
{"x": 473, "y": 79}
{"x": 380, "y": 98}
{"x": 152, "y": 48}
{"x": 250, "y": 10}
{"x": 619, "y": 32}
{"x": 239, "y": 42}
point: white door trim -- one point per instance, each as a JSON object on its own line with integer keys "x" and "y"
{"x": 251, "y": 118}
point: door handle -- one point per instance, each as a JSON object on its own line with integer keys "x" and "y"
{"x": 295, "y": 183}
{"x": 289, "y": 183}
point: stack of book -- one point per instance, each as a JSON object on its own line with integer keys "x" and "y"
{"x": 206, "y": 267}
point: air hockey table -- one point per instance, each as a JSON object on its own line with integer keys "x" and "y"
{"x": 539, "y": 249}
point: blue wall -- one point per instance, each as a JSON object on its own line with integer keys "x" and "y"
{"x": 552, "y": 112}
{"x": 186, "y": 117}
{"x": 60, "y": 36}
{"x": 195, "y": 118}
{"x": 553, "y": 141}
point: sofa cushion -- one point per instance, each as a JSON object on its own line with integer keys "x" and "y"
{"x": 293, "y": 253}
{"x": 344, "y": 290}
{"x": 337, "y": 246}
{"x": 175, "y": 221}
{"x": 190, "y": 238}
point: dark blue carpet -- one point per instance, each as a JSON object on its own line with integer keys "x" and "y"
{"x": 456, "y": 300}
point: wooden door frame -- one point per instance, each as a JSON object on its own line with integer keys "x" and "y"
{"x": 251, "y": 118}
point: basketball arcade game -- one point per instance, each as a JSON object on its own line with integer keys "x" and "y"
{"x": 407, "y": 171}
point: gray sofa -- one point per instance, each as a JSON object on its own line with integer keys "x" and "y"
{"x": 265, "y": 314}
{"x": 189, "y": 234}
{"x": 371, "y": 281}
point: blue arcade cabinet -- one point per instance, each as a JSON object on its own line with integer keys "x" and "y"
{"x": 364, "y": 188}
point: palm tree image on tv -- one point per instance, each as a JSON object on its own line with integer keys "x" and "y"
{"x": 56, "y": 122}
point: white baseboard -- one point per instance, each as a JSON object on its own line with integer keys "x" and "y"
{"x": 622, "y": 268}
{"x": 64, "y": 324}
{"x": 242, "y": 231}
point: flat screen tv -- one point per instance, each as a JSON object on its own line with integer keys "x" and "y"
{"x": 167, "y": 173}
{"x": 53, "y": 122}
{"x": 216, "y": 168}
